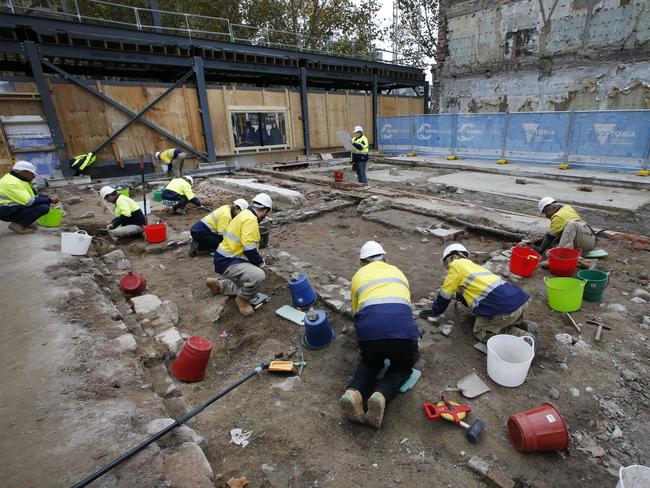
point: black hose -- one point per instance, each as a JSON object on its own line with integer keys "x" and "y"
{"x": 127, "y": 455}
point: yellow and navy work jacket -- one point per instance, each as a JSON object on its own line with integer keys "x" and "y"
{"x": 240, "y": 242}
{"x": 484, "y": 293}
{"x": 360, "y": 152}
{"x": 182, "y": 187}
{"x": 14, "y": 191}
{"x": 168, "y": 155}
{"x": 127, "y": 212}
{"x": 560, "y": 218}
{"x": 215, "y": 222}
{"x": 381, "y": 303}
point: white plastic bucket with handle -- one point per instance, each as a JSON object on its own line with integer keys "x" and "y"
{"x": 75, "y": 243}
{"x": 634, "y": 476}
{"x": 508, "y": 358}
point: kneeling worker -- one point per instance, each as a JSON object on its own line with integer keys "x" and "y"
{"x": 385, "y": 329}
{"x": 497, "y": 305}
{"x": 129, "y": 220}
{"x": 178, "y": 192}
{"x": 170, "y": 156}
{"x": 208, "y": 232}
{"x": 20, "y": 202}
{"x": 237, "y": 258}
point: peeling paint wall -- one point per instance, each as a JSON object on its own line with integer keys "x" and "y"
{"x": 525, "y": 55}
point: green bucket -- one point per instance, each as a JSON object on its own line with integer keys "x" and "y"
{"x": 157, "y": 196}
{"x": 123, "y": 191}
{"x": 597, "y": 281}
{"x": 51, "y": 219}
{"x": 565, "y": 294}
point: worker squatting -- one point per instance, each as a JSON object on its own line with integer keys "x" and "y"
{"x": 380, "y": 292}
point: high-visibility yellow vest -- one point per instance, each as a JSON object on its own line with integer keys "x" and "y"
{"x": 378, "y": 283}
{"x": 560, "y": 218}
{"x": 473, "y": 280}
{"x": 182, "y": 187}
{"x": 83, "y": 161}
{"x": 167, "y": 155}
{"x": 363, "y": 140}
{"x": 14, "y": 191}
{"x": 125, "y": 206}
{"x": 242, "y": 234}
{"x": 219, "y": 219}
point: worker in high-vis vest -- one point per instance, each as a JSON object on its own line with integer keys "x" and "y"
{"x": 360, "y": 154}
{"x": 20, "y": 203}
{"x": 129, "y": 219}
{"x": 385, "y": 329}
{"x": 168, "y": 157}
{"x": 566, "y": 226}
{"x": 208, "y": 232}
{"x": 82, "y": 161}
{"x": 178, "y": 193}
{"x": 498, "y": 306}
{"x": 237, "y": 258}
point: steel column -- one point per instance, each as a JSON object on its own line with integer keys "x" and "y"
{"x": 155, "y": 14}
{"x": 427, "y": 98}
{"x": 374, "y": 110}
{"x": 304, "y": 105}
{"x": 35, "y": 62}
{"x": 204, "y": 108}
{"x": 127, "y": 111}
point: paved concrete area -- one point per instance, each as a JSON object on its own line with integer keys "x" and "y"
{"x": 250, "y": 187}
{"x": 601, "y": 196}
{"x": 402, "y": 175}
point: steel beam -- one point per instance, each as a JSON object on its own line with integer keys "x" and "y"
{"x": 142, "y": 112}
{"x": 35, "y": 62}
{"x": 127, "y": 111}
{"x": 205, "y": 109}
{"x": 427, "y": 97}
{"x": 155, "y": 14}
{"x": 374, "y": 110}
{"x": 304, "y": 105}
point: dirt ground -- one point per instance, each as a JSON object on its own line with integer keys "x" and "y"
{"x": 298, "y": 436}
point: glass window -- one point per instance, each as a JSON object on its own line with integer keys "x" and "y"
{"x": 259, "y": 129}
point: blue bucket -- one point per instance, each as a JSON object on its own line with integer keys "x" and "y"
{"x": 318, "y": 332}
{"x": 302, "y": 294}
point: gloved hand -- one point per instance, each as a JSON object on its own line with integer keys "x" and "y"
{"x": 262, "y": 265}
{"x": 425, "y": 314}
{"x": 109, "y": 227}
{"x": 54, "y": 200}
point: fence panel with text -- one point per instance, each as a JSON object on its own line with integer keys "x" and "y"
{"x": 480, "y": 135}
{"x": 433, "y": 134}
{"x": 395, "y": 133}
{"x": 537, "y": 136}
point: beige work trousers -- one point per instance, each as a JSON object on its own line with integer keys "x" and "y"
{"x": 577, "y": 235}
{"x": 242, "y": 279}
{"x": 485, "y": 327}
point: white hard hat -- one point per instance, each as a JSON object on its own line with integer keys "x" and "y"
{"x": 453, "y": 248}
{"x": 544, "y": 202}
{"x": 24, "y": 166}
{"x": 358, "y": 128}
{"x": 157, "y": 154}
{"x": 104, "y": 191}
{"x": 190, "y": 179}
{"x": 264, "y": 200}
{"x": 369, "y": 249}
{"x": 241, "y": 203}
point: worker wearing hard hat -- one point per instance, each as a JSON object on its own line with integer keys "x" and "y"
{"x": 129, "y": 219}
{"x": 566, "y": 226}
{"x": 170, "y": 156}
{"x": 497, "y": 305}
{"x": 360, "y": 154}
{"x": 385, "y": 329}
{"x": 178, "y": 193}
{"x": 20, "y": 202}
{"x": 208, "y": 232}
{"x": 237, "y": 258}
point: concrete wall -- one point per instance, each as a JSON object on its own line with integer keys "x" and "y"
{"x": 571, "y": 54}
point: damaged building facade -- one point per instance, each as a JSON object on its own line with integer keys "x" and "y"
{"x": 543, "y": 55}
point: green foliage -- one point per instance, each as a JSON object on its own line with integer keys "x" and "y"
{"x": 416, "y": 35}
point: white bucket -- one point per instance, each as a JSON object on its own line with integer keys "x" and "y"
{"x": 141, "y": 207}
{"x": 508, "y": 358}
{"x": 635, "y": 476}
{"x": 75, "y": 243}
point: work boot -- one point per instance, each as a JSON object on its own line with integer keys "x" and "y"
{"x": 531, "y": 330}
{"x": 20, "y": 229}
{"x": 214, "y": 285}
{"x": 33, "y": 225}
{"x": 245, "y": 308}
{"x": 375, "y": 414}
{"x": 351, "y": 404}
{"x": 194, "y": 248}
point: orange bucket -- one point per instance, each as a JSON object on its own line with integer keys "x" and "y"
{"x": 191, "y": 363}
{"x": 539, "y": 429}
{"x": 338, "y": 176}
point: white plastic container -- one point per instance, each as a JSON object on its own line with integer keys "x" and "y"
{"x": 508, "y": 358}
{"x": 75, "y": 243}
{"x": 634, "y": 476}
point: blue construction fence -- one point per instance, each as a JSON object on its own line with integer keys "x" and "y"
{"x": 612, "y": 139}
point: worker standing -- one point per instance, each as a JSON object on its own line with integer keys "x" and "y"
{"x": 208, "y": 232}
{"x": 360, "y": 154}
{"x": 567, "y": 226}
{"x": 178, "y": 193}
{"x": 129, "y": 219}
{"x": 497, "y": 305}
{"x": 237, "y": 258}
{"x": 20, "y": 203}
{"x": 170, "y": 156}
{"x": 385, "y": 329}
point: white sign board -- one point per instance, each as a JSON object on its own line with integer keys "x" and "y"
{"x": 345, "y": 140}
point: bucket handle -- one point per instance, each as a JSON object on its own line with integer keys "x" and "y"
{"x": 546, "y": 278}
{"x": 82, "y": 232}
{"x": 532, "y": 341}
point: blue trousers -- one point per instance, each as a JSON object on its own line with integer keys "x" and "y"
{"x": 360, "y": 164}
{"x": 21, "y": 214}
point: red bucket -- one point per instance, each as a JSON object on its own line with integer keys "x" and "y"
{"x": 193, "y": 359}
{"x": 539, "y": 429}
{"x": 524, "y": 260}
{"x": 338, "y": 176}
{"x": 155, "y": 233}
{"x": 563, "y": 261}
{"x": 133, "y": 284}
